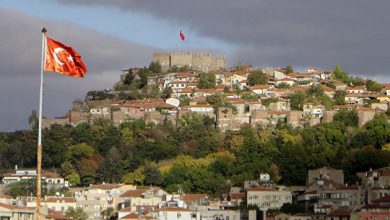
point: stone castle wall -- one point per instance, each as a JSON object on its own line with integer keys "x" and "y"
{"x": 198, "y": 61}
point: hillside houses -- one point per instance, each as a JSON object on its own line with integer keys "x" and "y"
{"x": 325, "y": 196}
{"x": 257, "y": 105}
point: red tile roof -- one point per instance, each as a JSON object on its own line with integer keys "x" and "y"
{"x": 184, "y": 74}
{"x": 130, "y": 216}
{"x": 133, "y": 193}
{"x": 56, "y": 215}
{"x": 237, "y": 196}
{"x": 340, "y": 213}
{"x": 192, "y": 197}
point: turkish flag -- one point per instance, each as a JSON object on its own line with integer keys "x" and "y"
{"x": 63, "y": 59}
{"x": 182, "y": 36}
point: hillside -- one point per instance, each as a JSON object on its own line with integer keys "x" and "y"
{"x": 210, "y": 139}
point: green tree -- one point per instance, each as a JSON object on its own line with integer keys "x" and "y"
{"x": 347, "y": 117}
{"x": 326, "y": 101}
{"x": 292, "y": 163}
{"x": 257, "y": 77}
{"x": 339, "y": 98}
{"x": 297, "y": 100}
{"x": 76, "y": 152}
{"x": 76, "y": 213}
{"x": 375, "y": 132}
{"x": 109, "y": 171}
{"x": 364, "y": 159}
{"x": 315, "y": 90}
{"x": 223, "y": 165}
{"x": 283, "y": 85}
{"x": 323, "y": 142}
{"x": 152, "y": 174}
{"x": 289, "y": 69}
{"x": 129, "y": 78}
{"x": 248, "y": 154}
{"x": 166, "y": 93}
{"x": 340, "y": 75}
{"x": 136, "y": 177}
{"x": 155, "y": 67}
{"x": 33, "y": 119}
{"x": 206, "y": 81}
{"x": 373, "y": 86}
{"x": 108, "y": 213}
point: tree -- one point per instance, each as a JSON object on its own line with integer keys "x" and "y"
{"x": 340, "y": 75}
{"x": 69, "y": 173}
{"x": 315, "y": 90}
{"x": 248, "y": 154}
{"x": 22, "y": 188}
{"x": 257, "y": 77}
{"x": 347, "y": 117}
{"x": 206, "y": 81}
{"x": 323, "y": 142}
{"x": 76, "y": 213}
{"x": 155, "y": 67}
{"x": 292, "y": 163}
{"x": 373, "y": 86}
{"x": 152, "y": 174}
{"x": 33, "y": 119}
{"x": 339, "y": 97}
{"x": 76, "y": 152}
{"x": 136, "y": 177}
{"x": 283, "y": 85}
{"x": 364, "y": 159}
{"x": 129, "y": 78}
{"x": 109, "y": 171}
{"x": 297, "y": 100}
{"x": 376, "y": 133}
{"x": 107, "y": 213}
{"x": 326, "y": 101}
{"x": 289, "y": 69}
{"x": 166, "y": 93}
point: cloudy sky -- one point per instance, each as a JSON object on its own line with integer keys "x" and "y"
{"x": 112, "y": 35}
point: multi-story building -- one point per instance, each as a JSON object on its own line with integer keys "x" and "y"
{"x": 268, "y": 198}
{"x": 97, "y": 198}
{"x": 58, "y": 204}
{"x": 341, "y": 196}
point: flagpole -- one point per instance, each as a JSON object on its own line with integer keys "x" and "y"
{"x": 39, "y": 148}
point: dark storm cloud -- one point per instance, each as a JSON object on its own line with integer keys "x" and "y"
{"x": 352, "y": 33}
{"x": 20, "y": 55}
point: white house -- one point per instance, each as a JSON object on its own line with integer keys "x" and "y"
{"x": 52, "y": 179}
{"x": 172, "y": 213}
{"x": 267, "y": 198}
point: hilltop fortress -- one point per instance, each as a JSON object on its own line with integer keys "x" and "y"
{"x": 197, "y": 61}
{"x": 255, "y": 105}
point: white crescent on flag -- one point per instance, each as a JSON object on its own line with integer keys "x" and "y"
{"x": 56, "y": 51}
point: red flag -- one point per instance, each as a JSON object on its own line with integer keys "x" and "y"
{"x": 63, "y": 59}
{"x": 182, "y": 36}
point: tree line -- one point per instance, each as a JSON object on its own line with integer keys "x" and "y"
{"x": 193, "y": 156}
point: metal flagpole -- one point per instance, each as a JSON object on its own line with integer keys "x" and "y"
{"x": 39, "y": 149}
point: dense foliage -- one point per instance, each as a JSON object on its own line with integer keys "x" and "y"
{"x": 192, "y": 156}
{"x": 257, "y": 77}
